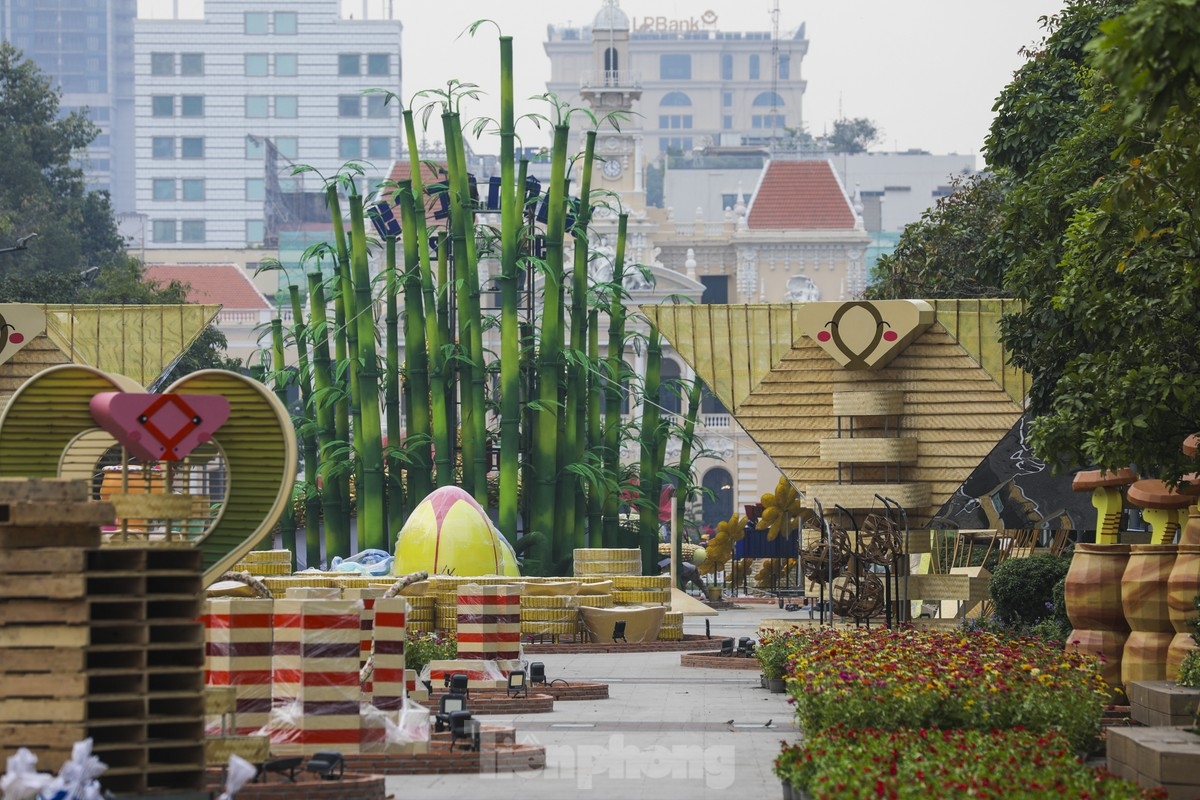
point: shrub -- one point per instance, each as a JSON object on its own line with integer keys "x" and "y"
{"x": 772, "y": 652}
{"x": 1023, "y": 588}
{"x": 421, "y": 648}
{"x": 1189, "y": 669}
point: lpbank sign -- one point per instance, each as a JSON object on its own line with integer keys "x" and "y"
{"x": 665, "y": 25}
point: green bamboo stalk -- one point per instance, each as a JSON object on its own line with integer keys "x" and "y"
{"x": 574, "y": 491}
{"x": 510, "y": 346}
{"x": 687, "y": 485}
{"x": 348, "y": 329}
{"x": 649, "y": 477}
{"x": 442, "y": 429}
{"x": 418, "y": 422}
{"x": 545, "y": 441}
{"x": 446, "y": 471}
{"x": 326, "y": 398}
{"x": 372, "y": 494}
{"x": 466, "y": 266}
{"x": 594, "y": 432}
{"x": 396, "y": 506}
{"x": 343, "y": 410}
{"x": 614, "y": 374}
{"x": 287, "y": 522}
{"x": 312, "y": 498}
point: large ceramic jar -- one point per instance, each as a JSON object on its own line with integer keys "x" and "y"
{"x": 1093, "y": 595}
{"x": 1183, "y": 585}
{"x": 1144, "y": 598}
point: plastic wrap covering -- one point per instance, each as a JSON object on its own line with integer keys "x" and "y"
{"x": 239, "y": 643}
{"x": 489, "y": 622}
{"x": 405, "y": 730}
{"x": 481, "y": 674}
{"x": 315, "y": 678}
{"x": 238, "y": 773}
{"x": 390, "y": 636}
{"x": 554, "y": 615}
{"x": 642, "y": 624}
{"x": 22, "y": 781}
{"x": 78, "y": 778}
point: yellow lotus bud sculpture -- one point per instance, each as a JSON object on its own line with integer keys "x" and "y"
{"x": 449, "y": 533}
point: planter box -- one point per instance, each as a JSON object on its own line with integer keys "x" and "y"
{"x": 1162, "y": 703}
{"x": 1157, "y": 757}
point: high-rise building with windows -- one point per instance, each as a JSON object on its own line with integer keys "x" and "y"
{"x": 700, "y": 85}
{"x": 84, "y": 46}
{"x": 227, "y": 105}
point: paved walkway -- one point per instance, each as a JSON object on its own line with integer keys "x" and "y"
{"x": 665, "y": 732}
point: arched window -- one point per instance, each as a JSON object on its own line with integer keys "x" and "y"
{"x": 769, "y": 99}
{"x": 675, "y": 99}
{"x": 718, "y": 501}
{"x": 610, "y": 66}
{"x": 668, "y": 388}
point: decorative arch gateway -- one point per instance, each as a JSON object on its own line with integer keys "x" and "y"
{"x": 71, "y": 420}
{"x": 902, "y": 398}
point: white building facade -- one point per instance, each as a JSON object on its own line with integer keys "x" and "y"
{"x": 219, "y": 108}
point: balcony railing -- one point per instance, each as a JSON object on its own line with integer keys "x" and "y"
{"x": 611, "y": 79}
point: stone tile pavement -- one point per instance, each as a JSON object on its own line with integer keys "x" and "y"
{"x": 665, "y": 732}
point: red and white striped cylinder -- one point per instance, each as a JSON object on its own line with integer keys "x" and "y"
{"x": 489, "y": 622}
{"x": 390, "y": 636}
{"x": 315, "y": 689}
{"x": 238, "y": 647}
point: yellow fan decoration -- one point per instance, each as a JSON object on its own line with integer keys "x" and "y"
{"x": 720, "y": 547}
{"x": 782, "y": 507}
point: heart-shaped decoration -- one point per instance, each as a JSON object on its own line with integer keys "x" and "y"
{"x": 866, "y": 335}
{"x": 160, "y": 427}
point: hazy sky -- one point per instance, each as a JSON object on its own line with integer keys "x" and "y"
{"x": 925, "y": 71}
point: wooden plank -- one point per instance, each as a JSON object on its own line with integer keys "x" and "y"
{"x": 55, "y": 587}
{"x": 44, "y": 560}
{"x": 19, "y": 710}
{"x": 43, "y": 684}
{"x": 44, "y": 636}
{"x": 14, "y": 611}
{"x": 42, "y": 659}
{"x": 39, "y": 736}
{"x": 13, "y": 537}
{"x": 55, "y": 515}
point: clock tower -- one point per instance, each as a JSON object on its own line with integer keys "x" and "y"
{"x": 611, "y": 86}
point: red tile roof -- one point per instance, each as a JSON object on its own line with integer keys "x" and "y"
{"x": 227, "y": 284}
{"x": 800, "y": 195}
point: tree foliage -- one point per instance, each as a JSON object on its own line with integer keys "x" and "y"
{"x": 852, "y": 135}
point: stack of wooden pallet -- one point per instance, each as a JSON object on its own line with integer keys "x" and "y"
{"x": 100, "y": 643}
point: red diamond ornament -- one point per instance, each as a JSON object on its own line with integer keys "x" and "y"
{"x": 160, "y": 427}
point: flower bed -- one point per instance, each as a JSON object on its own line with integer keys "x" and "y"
{"x": 845, "y": 764}
{"x": 942, "y": 679}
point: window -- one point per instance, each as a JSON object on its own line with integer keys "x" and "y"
{"x": 289, "y": 185}
{"x": 349, "y": 147}
{"x": 377, "y": 106}
{"x": 379, "y": 147}
{"x": 675, "y": 99}
{"x": 754, "y": 67}
{"x": 191, "y": 64}
{"x": 162, "y": 63}
{"x": 162, "y": 105}
{"x": 727, "y": 122}
{"x": 193, "y": 189}
{"x": 349, "y": 105}
{"x": 256, "y": 65}
{"x": 254, "y": 148}
{"x": 675, "y": 121}
{"x": 348, "y": 63}
{"x": 163, "y": 188}
{"x": 730, "y": 201}
{"x": 716, "y": 290}
{"x": 726, "y": 99}
{"x": 256, "y": 105}
{"x": 256, "y": 231}
{"x": 162, "y": 147}
{"x": 668, "y": 389}
{"x": 256, "y": 189}
{"x": 285, "y": 65}
{"x": 286, "y": 106}
{"x": 675, "y": 145}
{"x": 769, "y": 99}
{"x": 191, "y": 105}
{"x": 379, "y": 64}
{"x": 675, "y": 66}
{"x": 285, "y": 23}
{"x": 768, "y": 121}
{"x": 785, "y": 68}
{"x": 255, "y": 23}
{"x": 193, "y": 230}
{"x": 726, "y": 67}
{"x": 287, "y": 146}
{"x": 192, "y": 146}
{"x": 163, "y": 230}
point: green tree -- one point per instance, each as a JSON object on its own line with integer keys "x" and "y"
{"x": 41, "y": 188}
{"x": 852, "y": 135}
